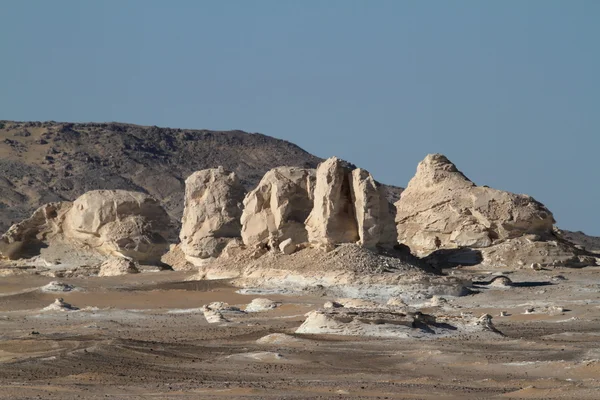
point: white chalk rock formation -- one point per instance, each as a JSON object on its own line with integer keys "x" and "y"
{"x": 441, "y": 208}
{"x": 121, "y": 223}
{"x": 389, "y": 323}
{"x": 350, "y": 207}
{"x": 103, "y": 222}
{"x": 374, "y": 218}
{"x": 28, "y": 235}
{"x": 116, "y": 266}
{"x": 60, "y": 305}
{"x": 261, "y": 304}
{"x": 276, "y": 209}
{"x": 287, "y": 246}
{"x": 332, "y": 219}
{"x": 211, "y": 217}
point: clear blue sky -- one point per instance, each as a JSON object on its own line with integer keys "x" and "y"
{"x": 508, "y": 90}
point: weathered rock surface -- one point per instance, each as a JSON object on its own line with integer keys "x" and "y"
{"x": 350, "y": 207}
{"x": 287, "y": 246}
{"x": 441, "y": 208}
{"x": 211, "y": 218}
{"x": 523, "y": 252}
{"x": 349, "y": 270}
{"x": 382, "y": 322}
{"x": 261, "y": 304}
{"x": 24, "y": 239}
{"x": 374, "y": 214}
{"x": 105, "y": 222}
{"x": 332, "y": 219}
{"x": 580, "y": 239}
{"x": 60, "y": 305}
{"x": 119, "y": 222}
{"x": 115, "y": 266}
{"x": 276, "y": 209}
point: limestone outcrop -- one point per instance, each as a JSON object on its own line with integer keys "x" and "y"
{"x": 211, "y": 217}
{"x": 119, "y": 222}
{"x": 373, "y": 212}
{"x": 349, "y": 206}
{"x": 116, "y": 266}
{"x": 332, "y": 219}
{"x": 26, "y": 237}
{"x": 275, "y": 211}
{"x": 106, "y": 222}
{"x": 442, "y": 209}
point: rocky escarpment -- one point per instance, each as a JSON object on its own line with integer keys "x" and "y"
{"x": 44, "y": 162}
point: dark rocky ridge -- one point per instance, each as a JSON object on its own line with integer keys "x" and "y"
{"x": 41, "y": 162}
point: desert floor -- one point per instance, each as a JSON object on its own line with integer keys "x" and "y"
{"x": 143, "y": 336}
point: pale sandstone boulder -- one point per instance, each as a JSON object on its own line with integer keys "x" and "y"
{"x": 276, "y": 209}
{"x": 441, "y": 209}
{"x": 211, "y": 217}
{"x": 119, "y": 222}
{"x": 332, "y": 219}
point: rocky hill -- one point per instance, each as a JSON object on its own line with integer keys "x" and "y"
{"x": 43, "y": 162}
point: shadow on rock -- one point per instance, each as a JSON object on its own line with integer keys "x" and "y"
{"x": 450, "y": 258}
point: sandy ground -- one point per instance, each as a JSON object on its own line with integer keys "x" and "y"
{"x": 144, "y": 336}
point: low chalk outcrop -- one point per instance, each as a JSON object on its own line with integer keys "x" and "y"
{"x": 275, "y": 211}
{"x": 389, "y": 322}
{"x": 442, "y": 209}
{"x": 211, "y": 218}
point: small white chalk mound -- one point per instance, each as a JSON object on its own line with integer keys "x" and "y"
{"x": 261, "y": 304}
{"x": 278, "y": 338}
{"x": 60, "y": 305}
{"x": 58, "y": 287}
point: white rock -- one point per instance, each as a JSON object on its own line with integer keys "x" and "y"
{"x": 213, "y": 316}
{"x": 60, "y": 305}
{"x": 332, "y": 219}
{"x": 56, "y": 287}
{"x": 287, "y": 246}
{"x": 396, "y": 302}
{"x": 120, "y": 222}
{"x": 277, "y": 208}
{"x": 261, "y": 304}
{"x": 117, "y": 266}
{"x": 332, "y": 304}
{"x": 374, "y": 217}
{"x": 211, "y": 217}
{"x": 441, "y": 208}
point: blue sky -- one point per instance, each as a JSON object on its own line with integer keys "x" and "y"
{"x": 508, "y": 90}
